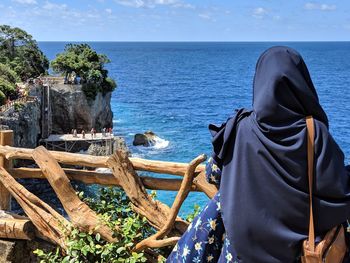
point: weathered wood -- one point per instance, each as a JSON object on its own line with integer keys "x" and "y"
{"x": 13, "y": 228}
{"x": 154, "y": 240}
{"x": 80, "y": 214}
{"x": 101, "y": 161}
{"x": 142, "y": 203}
{"x": 93, "y": 177}
{"x": 6, "y": 138}
{"x": 49, "y": 224}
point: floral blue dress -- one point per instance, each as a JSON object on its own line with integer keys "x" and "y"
{"x": 204, "y": 240}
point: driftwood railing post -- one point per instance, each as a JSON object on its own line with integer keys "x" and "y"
{"x": 6, "y": 138}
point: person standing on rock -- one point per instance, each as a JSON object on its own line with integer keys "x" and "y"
{"x": 75, "y": 133}
{"x": 83, "y": 134}
{"x": 92, "y": 133}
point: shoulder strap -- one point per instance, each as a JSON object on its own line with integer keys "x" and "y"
{"x": 310, "y": 164}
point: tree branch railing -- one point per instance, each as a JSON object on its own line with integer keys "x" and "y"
{"x": 121, "y": 173}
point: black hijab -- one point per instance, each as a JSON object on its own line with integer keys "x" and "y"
{"x": 264, "y": 186}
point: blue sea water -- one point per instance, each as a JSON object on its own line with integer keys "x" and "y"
{"x": 177, "y": 89}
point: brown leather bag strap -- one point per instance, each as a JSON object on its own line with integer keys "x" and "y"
{"x": 310, "y": 165}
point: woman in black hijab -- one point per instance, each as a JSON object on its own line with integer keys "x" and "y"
{"x": 262, "y": 155}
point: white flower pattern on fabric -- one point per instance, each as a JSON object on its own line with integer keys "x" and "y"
{"x": 229, "y": 257}
{"x": 198, "y": 246}
{"x": 185, "y": 252}
{"x": 198, "y": 223}
{"x": 204, "y": 240}
{"x": 212, "y": 223}
{"x": 213, "y": 172}
{"x": 210, "y": 258}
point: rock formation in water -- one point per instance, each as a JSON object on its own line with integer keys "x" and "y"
{"x": 145, "y": 139}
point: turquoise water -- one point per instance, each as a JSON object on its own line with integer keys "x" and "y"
{"x": 177, "y": 89}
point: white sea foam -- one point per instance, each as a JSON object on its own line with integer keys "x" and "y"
{"x": 117, "y": 121}
{"x": 103, "y": 170}
{"x": 160, "y": 143}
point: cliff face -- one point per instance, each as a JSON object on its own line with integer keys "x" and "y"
{"x": 56, "y": 110}
{"x": 25, "y": 123}
{"x": 70, "y": 109}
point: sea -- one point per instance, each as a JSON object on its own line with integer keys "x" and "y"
{"x": 176, "y": 89}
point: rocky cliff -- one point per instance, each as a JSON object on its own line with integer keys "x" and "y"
{"x": 70, "y": 109}
{"x": 24, "y": 120}
{"x": 56, "y": 110}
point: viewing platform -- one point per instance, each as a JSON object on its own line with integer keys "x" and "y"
{"x": 67, "y": 142}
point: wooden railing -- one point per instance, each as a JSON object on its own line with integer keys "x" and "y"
{"x": 9, "y": 105}
{"x": 122, "y": 174}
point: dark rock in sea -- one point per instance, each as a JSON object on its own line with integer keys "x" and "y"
{"x": 145, "y": 139}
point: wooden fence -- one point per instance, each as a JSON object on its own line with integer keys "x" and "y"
{"x": 44, "y": 222}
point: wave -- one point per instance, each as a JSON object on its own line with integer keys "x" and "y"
{"x": 117, "y": 121}
{"x": 160, "y": 143}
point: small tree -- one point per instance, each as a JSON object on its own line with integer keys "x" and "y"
{"x": 87, "y": 64}
{"x": 7, "y": 73}
{"x": 21, "y": 52}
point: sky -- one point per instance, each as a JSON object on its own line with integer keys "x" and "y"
{"x": 180, "y": 20}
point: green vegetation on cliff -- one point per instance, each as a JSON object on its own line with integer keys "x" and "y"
{"x": 80, "y": 60}
{"x": 8, "y": 79}
{"x": 20, "y": 52}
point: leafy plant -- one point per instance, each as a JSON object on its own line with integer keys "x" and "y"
{"x": 8, "y": 74}
{"x": 2, "y": 98}
{"x": 86, "y": 63}
{"x": 21, "y": 53}
{"x": 195, "y": 212}
{"x": 114, "y": 208}
{"x": 7, "y": 88}
{"x": 18, "y": 106}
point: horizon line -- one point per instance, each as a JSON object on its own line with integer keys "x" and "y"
{"x": 195, "y": 41}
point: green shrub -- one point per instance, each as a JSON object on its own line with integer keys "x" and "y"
{"x": 18, "y": 106}
{"x": 8, "y": 74}
{"x": 8, "y": 88}
{"x": 21, "y": 53}
{"x": 2, "y": 98}
{"x": 114, "y": 208}
{"x": 82, "y": 61}
{"x": 195, "y": 212}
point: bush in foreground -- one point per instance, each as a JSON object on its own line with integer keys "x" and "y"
{"x": 114, "y": 208}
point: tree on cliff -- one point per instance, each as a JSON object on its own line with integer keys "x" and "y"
{"x": 8, "y": 79}
{"x": 21, "y": 52}
{"x": 86, "y": 63}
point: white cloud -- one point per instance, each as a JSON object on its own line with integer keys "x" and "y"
{"x": 26, "y": 2}
{"x": 154, "y": 3}
{"x": 322, "y": 7}
{"x": 259, "y": 12}
{"x": 53, "y": 6}
{"x": 108, "y": 11}
{"x": 205, "y": 16}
